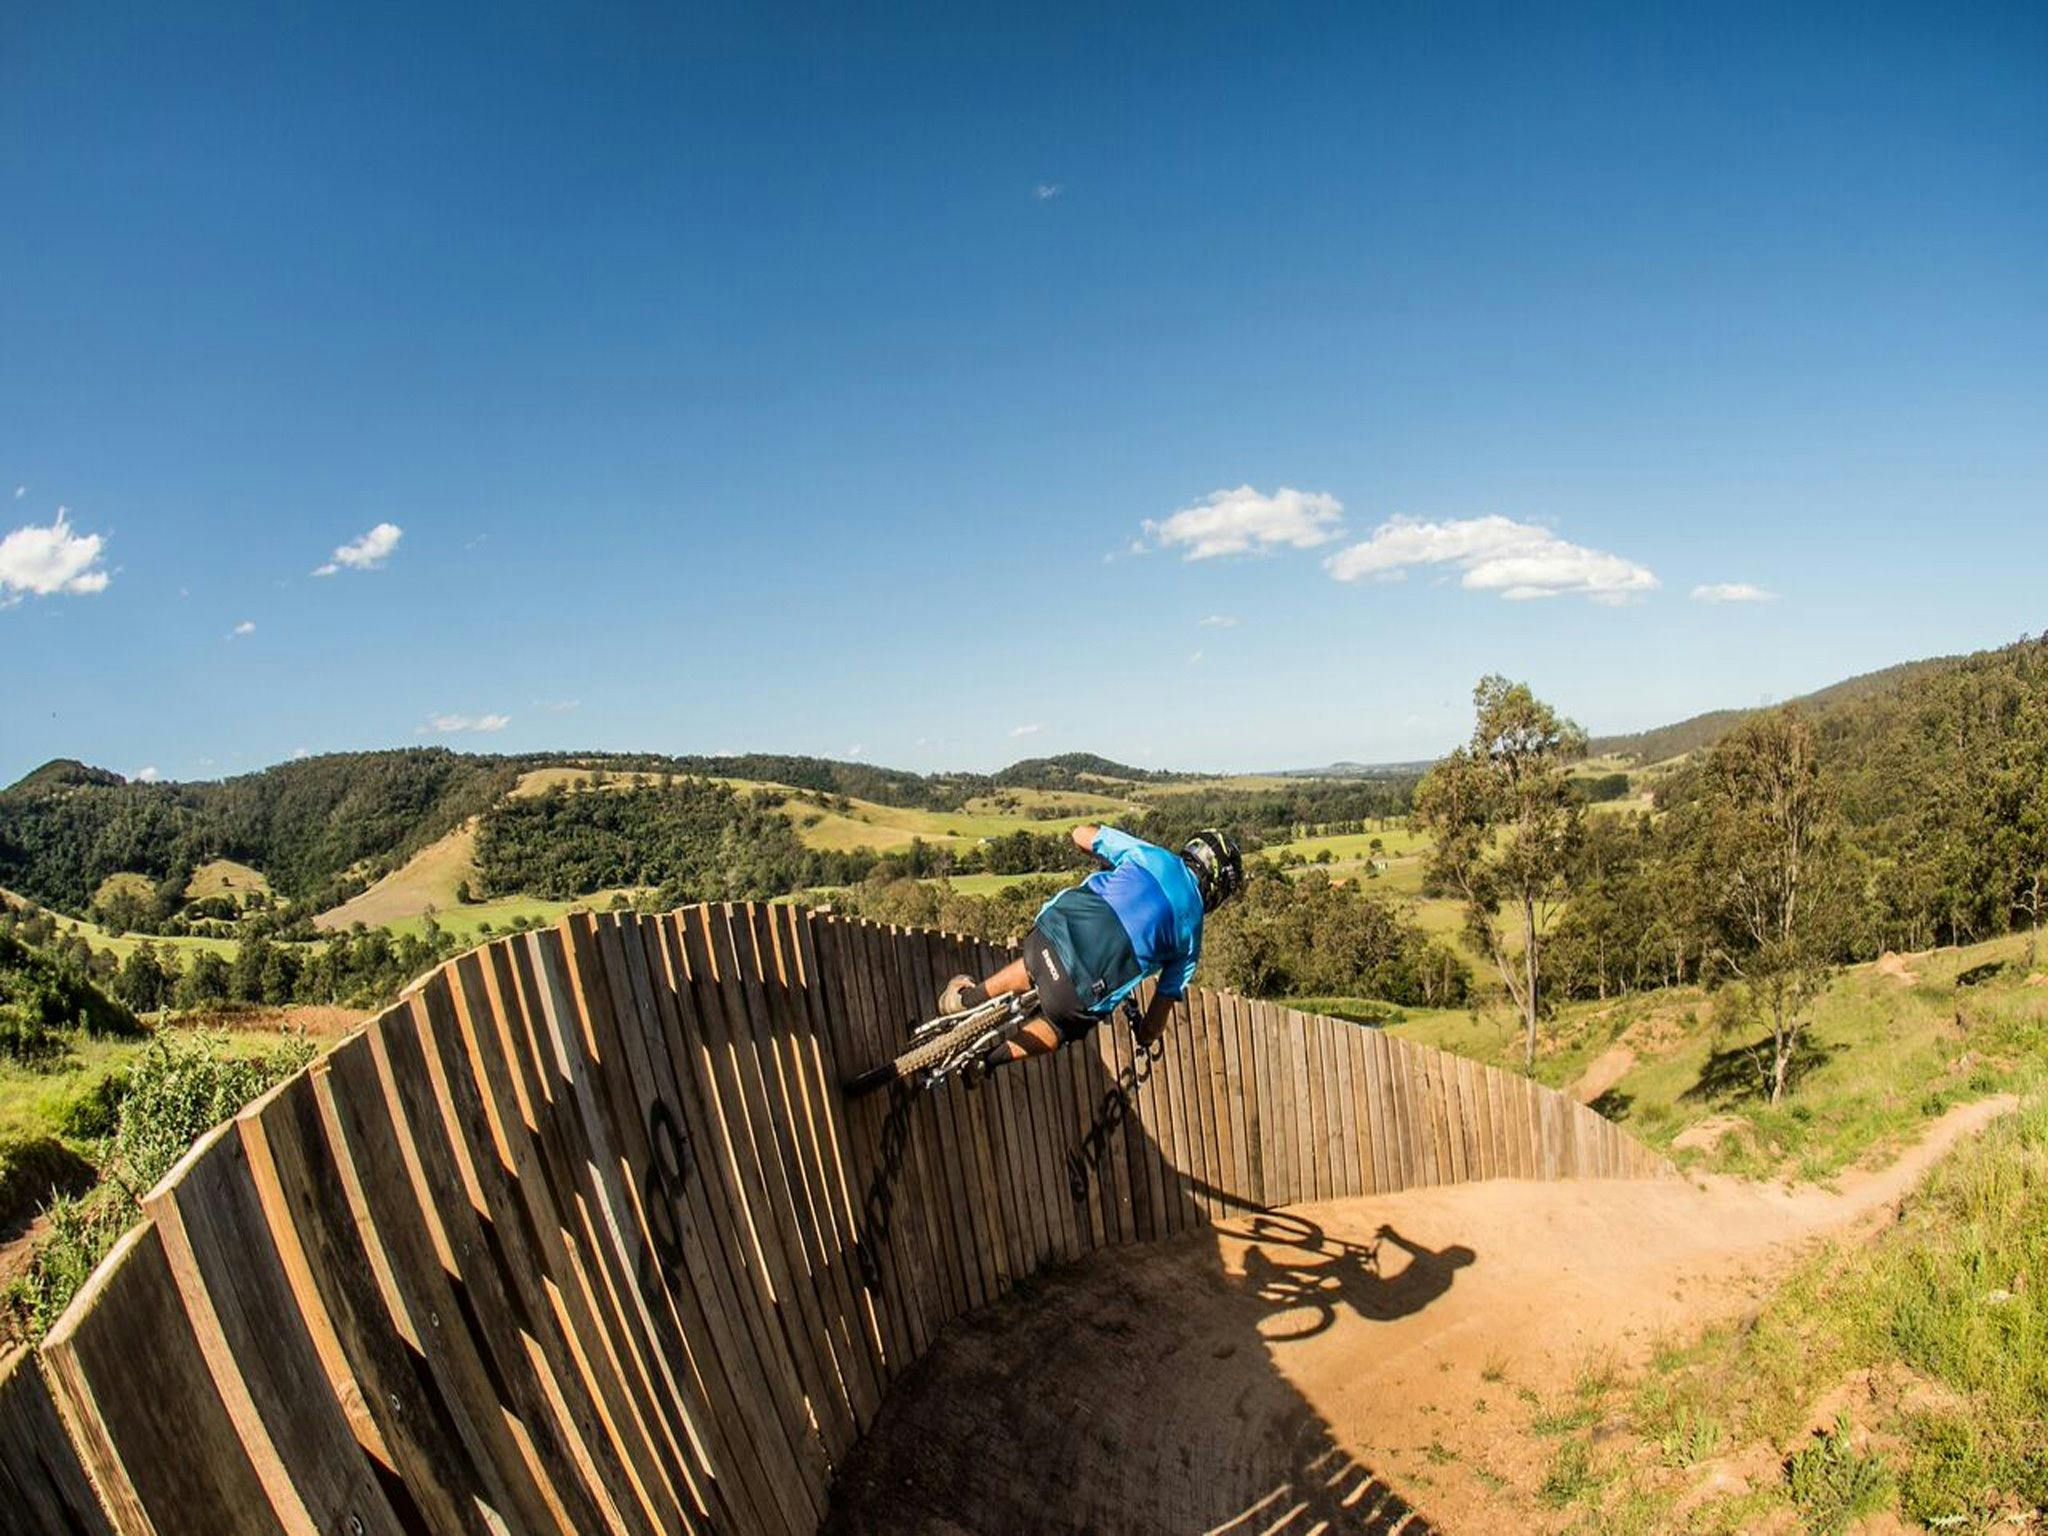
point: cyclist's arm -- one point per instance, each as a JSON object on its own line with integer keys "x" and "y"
{"x": 1106, "y": 843}
{"x": 1153, "y": 1023}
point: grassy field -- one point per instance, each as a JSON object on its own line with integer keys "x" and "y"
{"x": 500, "y": 912}
{"x": 1886, "y": 1052}
{"x": 125, "y": 944}
{"x": 141, "y": 887}
{"x": 427, "y": 879}
{"x": 224, "y": 877}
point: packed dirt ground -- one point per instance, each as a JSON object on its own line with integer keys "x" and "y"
{"x": 1362, "y": 1365}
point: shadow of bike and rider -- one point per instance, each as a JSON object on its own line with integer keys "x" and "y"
{"x": 1103, "y": 1396}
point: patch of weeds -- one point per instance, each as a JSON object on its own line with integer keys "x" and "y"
{"x": 1833, "y": 1483}
{"x": 1570, "y": 1476}
{"x": 1695, "y": 1436}
{"x": 1563, "y": 1418}
{"x": 1496, "y": 1367}
{"x": 1439, "y": 1454}
{"x": 1597, "y": 1378}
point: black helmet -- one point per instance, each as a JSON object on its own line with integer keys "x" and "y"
{"x": 1212, "y": 856}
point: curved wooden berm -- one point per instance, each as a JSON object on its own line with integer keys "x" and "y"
{"x": 579, "y": 1235}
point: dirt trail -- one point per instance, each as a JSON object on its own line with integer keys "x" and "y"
{"x": 1273, "y": 1375}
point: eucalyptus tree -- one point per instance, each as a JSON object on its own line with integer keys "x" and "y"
{"x": 1504, "y": 823}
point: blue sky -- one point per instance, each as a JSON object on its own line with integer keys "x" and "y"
{"x": 915, "y": 384}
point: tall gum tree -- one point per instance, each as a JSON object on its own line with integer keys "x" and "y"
{"x": 1503, "y": 822}
{"x": 1769, "y": 844}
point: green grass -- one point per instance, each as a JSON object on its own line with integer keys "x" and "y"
{"x": 990, "y": 885}
{"x": 500, "y": 912}
{"x": 125, "y": 944}
{"x": 1882, "y": 1059}
{"x": 1946, "y": 1312}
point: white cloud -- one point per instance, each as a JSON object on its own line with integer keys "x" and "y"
{"x": 1730, "y": 592}
{"x": 44, "y": 561}
{"x": 1220, "y": 621}
{"x": 856, "y": 750}
{"x": 1497, "y": 554}
{"x": 1046, "y": 191}
{"x": 1244, "y": 520}
{"x": 246, "y": 627}
{"x": 20, "y": 491}
{"x": 1194, "y": 658}
{"x": 148, "y": 775}
{"x": 1026, "y": 730}
{"x": 449, "y": 725}
{"x": 365, "y": 553}
{"x": 299, "y": 752}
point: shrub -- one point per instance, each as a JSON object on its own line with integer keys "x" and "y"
{"x": 180, "y": 1088}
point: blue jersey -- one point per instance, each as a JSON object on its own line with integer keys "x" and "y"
{"x": 1157, "y": 903}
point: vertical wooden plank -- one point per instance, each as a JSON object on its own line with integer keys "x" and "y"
{"x": 481, "y": 1283}
{"x": 1388, "y": 1174}
{"x": 1418, "y": 1153}
{"x": 1252, "y": 1100}
{"x": 1131, "y": 1128}
{"x": 1444, "y": 1072}
{"x": 728, "y": 1205}
{"x": 1293, "y": 1086}
{"x": 402, "y": 1414}
{"x": 888, "y": 1236}
{"x": 932, "y": 1281}
{"x": 772, "y": 1020}
{"x": 130, "y": 1379}
{"x": 1081, "y": 1072}
{"x": 1344, "y": 1062}
{"x": 416, "y": 1269}
{"x": 1329, "y": 1045}
{"x": 1180, "y": 1158}
{"x": 806, "y": 1093}
{"x": 246, "y": 1321}
{"x": 627, "y": 1458}
{"x": 644, "y": 1372}
{"x": 1205, "y": 1175}
{"x": 1203, "y": 1074}
{"x": 1115, "y": 1172}
{"x": 43, "y": 1484}
{"x": 1262, "y": 1053}
{"x": 765, "y": 1177}
{"x": 938, "y": 961}
{"x": 820, "y": 1070}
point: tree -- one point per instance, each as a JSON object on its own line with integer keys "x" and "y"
{"x": 1767, "y": 839}
{"x": 142, "y": 983}
{"x": 1504, "y": 822}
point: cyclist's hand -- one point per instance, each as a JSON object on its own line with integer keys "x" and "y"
{"x": 1135, "y": 1017}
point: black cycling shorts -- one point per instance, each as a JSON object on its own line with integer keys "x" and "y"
{"x": 1078, "y": 955}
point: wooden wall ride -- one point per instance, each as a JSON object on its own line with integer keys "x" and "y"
{"x": 579, "y": 1236}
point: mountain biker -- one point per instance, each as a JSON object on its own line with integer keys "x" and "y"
{"x": 1091, "y": 945}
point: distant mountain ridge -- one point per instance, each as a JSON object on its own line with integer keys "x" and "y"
{"x": 1699, "y": 732}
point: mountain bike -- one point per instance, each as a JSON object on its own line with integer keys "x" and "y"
{"x": 946, "y": 1046}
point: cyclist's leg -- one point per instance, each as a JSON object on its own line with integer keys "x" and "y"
{"x": 1011, "y": 978}
{"x": 1037, "y": 1038}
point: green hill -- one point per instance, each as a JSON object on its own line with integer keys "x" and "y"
{"x": 1699, "y": 732}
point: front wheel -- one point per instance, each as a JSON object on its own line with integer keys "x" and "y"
{"x": 923, "y": 1056}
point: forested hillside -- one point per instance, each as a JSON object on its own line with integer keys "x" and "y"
{"x": 1696, "y": 734}
{"x": 65, "y": 828}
